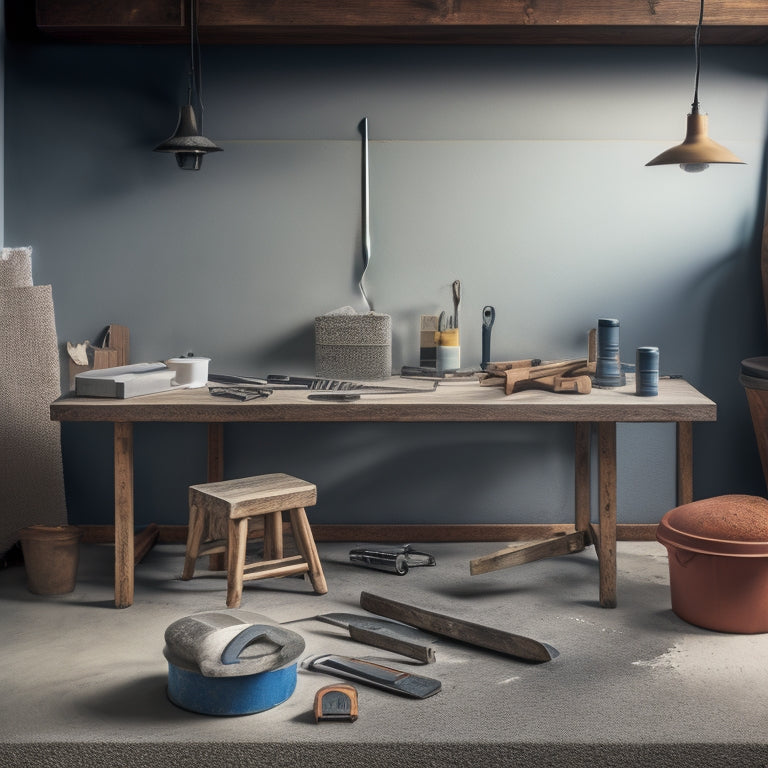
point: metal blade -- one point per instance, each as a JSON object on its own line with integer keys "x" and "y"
{"x": 375, "y": 624}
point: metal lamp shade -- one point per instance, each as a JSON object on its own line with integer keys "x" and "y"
{"x": 187, "y": 143}
{"x": 697, "y": 150}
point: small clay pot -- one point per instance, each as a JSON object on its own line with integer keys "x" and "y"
{"x": 51, "y": 557}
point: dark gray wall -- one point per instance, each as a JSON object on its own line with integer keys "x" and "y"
{"x": 520, "y": 171}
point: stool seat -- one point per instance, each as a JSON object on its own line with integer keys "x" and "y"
{"x": 219, "y": 517}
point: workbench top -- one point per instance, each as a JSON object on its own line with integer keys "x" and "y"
{"x": 454, "y": 401}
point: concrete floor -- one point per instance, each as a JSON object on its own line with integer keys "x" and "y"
{"x": 83, "y": 683}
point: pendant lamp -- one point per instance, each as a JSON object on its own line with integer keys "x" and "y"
{"x": 698, "y": 151}
{"x": 188, "y": 143}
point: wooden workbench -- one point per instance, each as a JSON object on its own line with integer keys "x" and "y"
{"x": 602, "y": 409}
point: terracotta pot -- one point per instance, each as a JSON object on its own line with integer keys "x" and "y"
{"x": 718, "y": 562}
{"x": 51, "y": 557}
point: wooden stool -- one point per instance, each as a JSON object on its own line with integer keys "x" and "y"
{"x": 219, "y": 514}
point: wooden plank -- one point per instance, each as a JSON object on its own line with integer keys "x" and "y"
{"x": 397, "y": 534}
{"x": 622, "y": 22}
{"x": 136, "y": 14}
{"x": 513, "y": 21}
{"x": 479, "y": 635}
{"x": 215, "y": 452}
{"x": 144, "y": 541}
{"x": 677, "y": 401}
{"x": 124, "y": 536}
{"x": 583, "y": 475}
{"x": 684, "y": 462}
{"x": 606, "y": 539}
{"x": 528, "y": 553}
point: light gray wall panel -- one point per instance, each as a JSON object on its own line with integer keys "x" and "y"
{"x": 520, "y": 171}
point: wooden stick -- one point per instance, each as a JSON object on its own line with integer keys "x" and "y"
{"x": 144, "y": 541}
{"x": 458, "y": 629}
{"x": 518, "y": 554}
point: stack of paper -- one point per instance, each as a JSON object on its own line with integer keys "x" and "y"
{"x": 124, "y": 380}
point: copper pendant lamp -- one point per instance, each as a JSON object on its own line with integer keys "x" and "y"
{"x": 188, "y": 143}
{"x": 698, "y": 151}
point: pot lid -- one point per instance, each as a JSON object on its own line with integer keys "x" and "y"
{"x": 723, "y": 525}
{"x": 755, "y": 366}
{"x": 230, "y": 643}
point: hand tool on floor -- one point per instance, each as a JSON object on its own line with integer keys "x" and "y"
{"x": 391, "y": 559}
{"x": 377, "y": 675}
{"x": 422, "y": 653}
{"x": 519, "y": 646}
{"x": 387, "y": 635}
{"x": 336, "y": 702}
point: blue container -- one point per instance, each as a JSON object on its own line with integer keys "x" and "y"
{"x": 608, "y": 369}
{"x": 647, "y": 371}
{"x": 244, "y": 695}
{"x": 230, "y": 663}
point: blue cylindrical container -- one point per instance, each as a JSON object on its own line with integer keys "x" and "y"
{"x": 230, "y": 662}
{"x": 608, "y": 369}
{"x": 647, "y": 371}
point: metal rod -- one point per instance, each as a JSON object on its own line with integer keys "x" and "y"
{"x": 366, "y": 228}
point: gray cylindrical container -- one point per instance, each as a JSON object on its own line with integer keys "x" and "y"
{"x": 608, "y": 369}
{"x": 647, "y": 371}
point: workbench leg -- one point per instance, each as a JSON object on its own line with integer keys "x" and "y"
{"x": 583, "y": 479}
{"x": 606, "y": 540}
{"x": 216, "y": 561}
{"x": 124, "y": 554}
{"x": 684, "y": 462}
{"x": 215, "y": 452}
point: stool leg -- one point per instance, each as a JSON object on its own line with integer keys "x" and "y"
{"x": 273, "y": 536}
{"x": 305, "y": 542}
{"x": 236, "y": 541}
{"x": 194, "y": 536}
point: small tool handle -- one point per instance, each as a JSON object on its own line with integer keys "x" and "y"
{"x": 252, "y": 633}
{"x": 489, "y": 316}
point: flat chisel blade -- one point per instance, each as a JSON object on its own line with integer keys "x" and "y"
{"x": 376, "y": 624}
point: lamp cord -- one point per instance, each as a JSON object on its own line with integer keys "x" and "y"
{"x": 195, "y": 80}
{"x": 697, "y": 48}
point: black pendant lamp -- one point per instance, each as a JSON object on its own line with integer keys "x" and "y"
{"x": 698, "y": 151}
{"x": 188, "y": 143}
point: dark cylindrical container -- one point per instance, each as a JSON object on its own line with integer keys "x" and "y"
{"x": 647, "y": 371}
{"x": 608, "y": 370}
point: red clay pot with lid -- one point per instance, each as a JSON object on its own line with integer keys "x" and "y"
{"x": 718, "y": 562}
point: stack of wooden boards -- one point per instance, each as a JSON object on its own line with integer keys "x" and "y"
{"x": 563, "y": 376}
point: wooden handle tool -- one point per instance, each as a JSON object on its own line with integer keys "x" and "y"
{"x": 458, "y": 629}
{"x": 423, "y": 653}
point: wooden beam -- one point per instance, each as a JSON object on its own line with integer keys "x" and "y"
{"x": 601, "y": 22}
{"x": 177, "y": 534}
{"x": 520, "y": 554}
